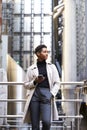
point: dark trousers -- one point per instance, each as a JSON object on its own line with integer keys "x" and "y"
{"x": 40, "y": 108}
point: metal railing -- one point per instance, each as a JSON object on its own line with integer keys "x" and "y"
{"x": 80, "y": 84}
{"x": 61, "y": 83}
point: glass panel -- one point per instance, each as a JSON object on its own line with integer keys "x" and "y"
{"x": 37, "y": 21}
{"x": 16, "y": 40}
{"x": 17, "y": 8}
{"x": 47, "y": 41}
{"x": 19, "y": 1}
{"x": 26, "y": 43}
{"x": 47, "y": 24}
{"x": 27, "y": 7}
{"x": 16, "y": 24}
{"x": 47, "y": 6}
{"x": 26, "y": 60}
{"x": 36, "y": 40}
{"x": 27, "y": 24}
{"x": 37, "y": 6}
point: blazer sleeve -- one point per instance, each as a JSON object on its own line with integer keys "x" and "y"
{"x": 29, "y": 80}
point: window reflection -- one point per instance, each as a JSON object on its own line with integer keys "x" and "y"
{"x": 36, "y": 40}
{"x": 37, "y": 23}
{"x": 27, "y": 24}
{"x": 37, "y": 6}
{"x": 27, "y": 43}
{"x": 47, "y": 24}
{"x": 27, "y": 6}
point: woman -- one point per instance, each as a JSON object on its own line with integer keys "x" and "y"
{"x": 42, "y": 83}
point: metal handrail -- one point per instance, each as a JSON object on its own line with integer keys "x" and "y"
{"x": 29, "y": 126}
{"x": 79, "y": 85}
{"x": 69, "y": 100}
{"x": 24, "y": 100}
{"x": 11, "y": 83}
{"x": 21, "y": 116}
{"x": 72, "y": 83}
{"x": 13, "y": 116}
{"x": 61, "y": 83}
{"x": 13, "y": 100}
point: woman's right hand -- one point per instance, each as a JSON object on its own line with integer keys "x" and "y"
{"x": 39, "y": 79}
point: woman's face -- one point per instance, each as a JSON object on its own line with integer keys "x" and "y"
{"x": 43, "y": 55}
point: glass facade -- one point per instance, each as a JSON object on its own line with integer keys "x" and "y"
{"x": 32, "y": 25}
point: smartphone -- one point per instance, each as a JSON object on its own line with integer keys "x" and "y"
{"x": 40, "y": 76}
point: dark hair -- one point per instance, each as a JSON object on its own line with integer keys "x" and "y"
{"x": 39, "y": 48}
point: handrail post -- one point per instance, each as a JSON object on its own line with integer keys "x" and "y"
{"x": 77, "y": 109}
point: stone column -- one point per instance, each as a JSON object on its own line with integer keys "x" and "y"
{"x": 69, "y": 54}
